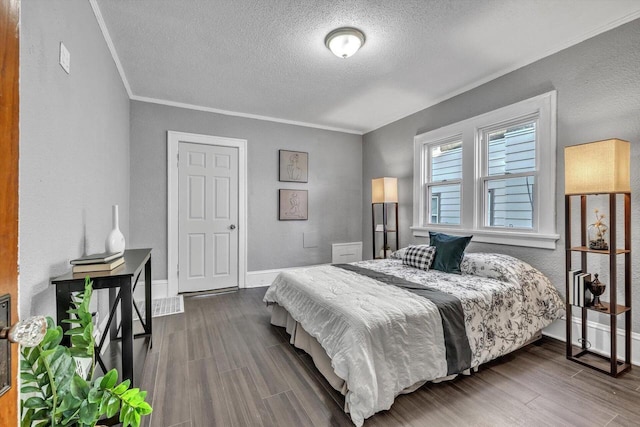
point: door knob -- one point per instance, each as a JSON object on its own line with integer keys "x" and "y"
{"x": 232, "y": 227}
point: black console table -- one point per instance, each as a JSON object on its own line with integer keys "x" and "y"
{"x": 121, "y": 282}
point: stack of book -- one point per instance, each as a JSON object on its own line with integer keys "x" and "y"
{"x": 579, "y": 293}
{"x": 97, "y": 262}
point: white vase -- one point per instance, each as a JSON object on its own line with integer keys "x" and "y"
{"x": 115, "y": 239}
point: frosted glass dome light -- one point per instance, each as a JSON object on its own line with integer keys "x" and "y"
{"x": 344, "y": 42}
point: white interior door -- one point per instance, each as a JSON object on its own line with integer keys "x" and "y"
{"x": 207, "y": 217}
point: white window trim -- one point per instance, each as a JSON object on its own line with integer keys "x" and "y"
{"x": 471, "y": 219}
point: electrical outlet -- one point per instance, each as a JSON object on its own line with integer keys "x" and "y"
{"x": 65, "y": 58}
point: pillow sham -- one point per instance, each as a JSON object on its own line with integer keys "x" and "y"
{"x": 420, "y": 256}
{"x": 504, "y": 268}
{"x": 399, "y": 254}
{"x": 449, "y": 251}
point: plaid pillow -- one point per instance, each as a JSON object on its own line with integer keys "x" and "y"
{"x": 419, "y": 256}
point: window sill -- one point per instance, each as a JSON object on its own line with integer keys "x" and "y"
{"x": 531, "y": 240}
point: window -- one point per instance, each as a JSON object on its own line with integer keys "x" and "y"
{"x": 492, "y": 175}
{"x": 509, "y": 176}
{"x": 443, "y": 185}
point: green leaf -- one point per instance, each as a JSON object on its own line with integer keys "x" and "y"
{"x": 123, "y": 413}
{"x": 27, "y": 417}
{"x": 128, "y": 395}
{"x": 51, "y": 338}
{"x": 122, "y": 387}
{"x": 35, "y": 402}
{"x": 30, "y": 389}
{"x": 69, "y": 405}
{"x": 26, "y": 376}
{"x": 79, "y": 388}
{"x": 46, "y": 390}
{"x": 89, "y": 413}
{"x": 135, "y": 400}
{"x": 42, "y": 414}
{"x": 77, "y": 352}
{"x": 109, "y": 380}
{"x": 59, "y": 360}
{"x": 105, "y": 399}
{"x": 95, "y": 396}
{"x": 48, "y": 353}
{"x": 79, "y": 341}
{"x": 65, "y": 365}
{"x": 33, "y": 355}
{"x": 113, "y": 406}
{"x": 88, "y": 332}
{"x": 75, "y": 331}
{"x": 25, "y": 365}
{"x": 144, "y": 408}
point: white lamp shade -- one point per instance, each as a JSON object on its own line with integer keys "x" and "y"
{"x": 384, "y": 190}
{"x": 598, "y": 167}
{"x": 344, "y": 42}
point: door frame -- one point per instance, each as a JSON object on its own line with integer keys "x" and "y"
{"x": 9, "y": 191}
{"x": 173, "y": 139}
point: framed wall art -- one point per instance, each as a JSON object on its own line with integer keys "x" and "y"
{"x": 293, "y": 205}
{"x": 294, "y": 166}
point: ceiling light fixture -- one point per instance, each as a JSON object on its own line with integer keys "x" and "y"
{"x": 344, "y": 42}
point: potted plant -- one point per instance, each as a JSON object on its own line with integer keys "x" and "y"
{"x": 57, "y": 391}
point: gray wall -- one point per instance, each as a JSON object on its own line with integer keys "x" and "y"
{"x": 598, "y": 98}
{"x": 74, "y": 145}
{"x": 335, "y": 184}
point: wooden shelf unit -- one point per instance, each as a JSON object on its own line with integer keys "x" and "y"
{"x": 386, "y": 229}
{"x": 610, "y": 365}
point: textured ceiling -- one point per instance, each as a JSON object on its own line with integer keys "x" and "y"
{"x": 267, "y": 57}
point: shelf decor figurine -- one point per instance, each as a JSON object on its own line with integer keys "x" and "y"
{"x": 597, "y": 233}
{"x": 597, "y": 288}
{"x": 115, "y": 239}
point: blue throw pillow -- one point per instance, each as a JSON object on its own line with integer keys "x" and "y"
{"x": 449, "y": 251}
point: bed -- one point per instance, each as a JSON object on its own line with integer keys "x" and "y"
{"x": 379, "y": 328}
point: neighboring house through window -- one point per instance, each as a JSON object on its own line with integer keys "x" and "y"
{"x": 492, "y": 176}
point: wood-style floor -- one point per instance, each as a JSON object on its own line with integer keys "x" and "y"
{"x": 222, "y": 364}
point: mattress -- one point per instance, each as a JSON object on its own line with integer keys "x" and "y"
{"x": 382, "y": 338}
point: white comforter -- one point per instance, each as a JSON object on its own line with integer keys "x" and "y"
{"x": 382, "y": 339}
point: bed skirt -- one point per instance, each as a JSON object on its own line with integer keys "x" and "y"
{"x": 302, "y": 340}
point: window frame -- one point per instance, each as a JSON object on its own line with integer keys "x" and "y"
{"x": 475, "y": 170}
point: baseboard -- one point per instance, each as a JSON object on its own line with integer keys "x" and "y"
{"x": 260, "y": 278}
{"x": 598, "y": 335}
{"x": 159, "y": 289}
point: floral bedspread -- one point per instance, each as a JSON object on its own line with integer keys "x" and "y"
{"x": 382, "y": 339}
{"x": 505, "y": 300}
